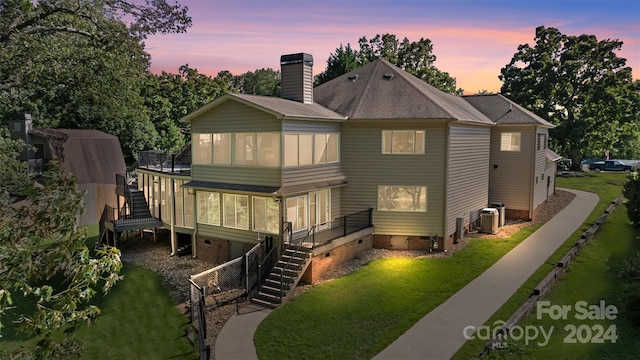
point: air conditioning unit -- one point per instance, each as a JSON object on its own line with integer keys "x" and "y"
{"x": 489, "y": 220}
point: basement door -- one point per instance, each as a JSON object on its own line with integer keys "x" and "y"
{"x": 320, "y": 209}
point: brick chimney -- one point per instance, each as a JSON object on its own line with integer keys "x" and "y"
{"x": 297, "y": 77}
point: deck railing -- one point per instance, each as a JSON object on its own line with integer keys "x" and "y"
{"x": 320, "y": 234}
{"x": 164, "y": 162}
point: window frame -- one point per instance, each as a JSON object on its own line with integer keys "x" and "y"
{"x": 225, "y": 213}
{"x": 208, "y": 203}
{"x": 387, "y": 146}
{"x": 419, "y": 209}
{"x": 512, "y": 146}
{"x": 295, "y": 226}
{"x": 267, "y": 201}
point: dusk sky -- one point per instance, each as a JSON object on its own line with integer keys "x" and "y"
{"x": 472, "y": 39}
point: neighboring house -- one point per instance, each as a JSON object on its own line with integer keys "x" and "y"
{"x": 523, "y": 168}
{"x": 373, "y": 158}
{"x": 93, "y": 156}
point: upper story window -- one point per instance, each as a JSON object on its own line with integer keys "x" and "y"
{"x": 510, "y": 141}
{"x": 403, "y": 141}
{"x": 402, "y": 198}
{"x": 244, "y": 149}
{"x": 543, "y": 141}
{"x": 311, "y": 148}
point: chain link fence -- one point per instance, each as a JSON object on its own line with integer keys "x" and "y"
{"x": 218, "y": 286}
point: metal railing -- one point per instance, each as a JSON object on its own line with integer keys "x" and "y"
{"x": 164, "y": 162}
{"x": 320, "y": 234}
{"x": 273, "y": 252}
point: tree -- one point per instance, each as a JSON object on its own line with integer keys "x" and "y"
{"x": 414, "y": 57}
{"x": 581, "y": 86}
{"x": 169, "y": 97}
{"x": 631, "y": 192}
{"x": 82, "y": 64}
{"x": 265, "y": 82}
{"x": 13, "y": 177}
{"x": 44, "y": 262}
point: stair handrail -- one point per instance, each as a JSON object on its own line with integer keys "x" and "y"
{"x": 289, "y": 262}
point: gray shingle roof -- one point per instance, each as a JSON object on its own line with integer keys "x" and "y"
{"x": 281, "y": 108}
{"x": 504, "y": 111}
{"x": 384, "y": 91}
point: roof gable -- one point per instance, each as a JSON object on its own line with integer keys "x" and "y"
{"x": 380, "y": 90}
{"x": 280, "y": 108}
{"x": 503, "y": 111}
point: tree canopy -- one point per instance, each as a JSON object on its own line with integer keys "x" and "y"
{"x": 414, "y": 57}
{"x": 580, "y": 85}
{"x": 46, "y": 267}
{"x": 82, "y": 64}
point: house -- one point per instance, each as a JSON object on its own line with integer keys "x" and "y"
{"x": 373, "y": 158}
{"x": 523, "y": 168}
{"x": 93, "y": 156}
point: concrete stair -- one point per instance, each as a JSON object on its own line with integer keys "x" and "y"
{"x": 284, "y": 277}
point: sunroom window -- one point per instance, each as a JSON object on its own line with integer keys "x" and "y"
{"x": 266, "y": 215}
{"x": 208, "y": 208}
{"x": 236, "y": 211}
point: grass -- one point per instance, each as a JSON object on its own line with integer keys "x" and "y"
{"x": 592, "y": 277}
{"x": 358, "y": 315}
{"x": 138, "y": 321}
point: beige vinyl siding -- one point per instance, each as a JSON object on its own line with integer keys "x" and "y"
{"x": 336, "y": 203}
{"x": 237, "y": 174}
{"x": 223, "y": 233}
{"x": 510, "y": 173}
{"x": 366, "y": 168}
{"x": 234, "y": 117}
{"x": 468, "y": 191}
{"x": 312, "y": 174}
{"x": 541, "y": 174}
{"x": 310, "y": 126}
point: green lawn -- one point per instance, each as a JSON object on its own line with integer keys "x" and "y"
{"x": 357, "y": 316}
{"x": 591, "y": 278}
{"x": 138, "y": 321}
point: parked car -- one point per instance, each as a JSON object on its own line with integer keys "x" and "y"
{"x": 610, "y": 165}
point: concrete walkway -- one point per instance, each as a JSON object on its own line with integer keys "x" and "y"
{"x": 439, "y": 334}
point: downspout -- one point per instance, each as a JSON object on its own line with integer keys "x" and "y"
{"x": 532, "y": 188}
{"x": 445, "y": 224}
{"x": 195, "y": 226}
{"x": 172, "y": 219}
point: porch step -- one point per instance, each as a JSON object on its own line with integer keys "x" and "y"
{"x": 284, "y": 277}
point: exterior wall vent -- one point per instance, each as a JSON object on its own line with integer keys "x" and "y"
{"x": 297, "y": 77}
{"x": 353, "y": 77}
{"x": 388, "y": 76}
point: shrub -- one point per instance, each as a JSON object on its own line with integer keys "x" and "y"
{"x": 631, "y": 192}
{"x": 630, "y": 268}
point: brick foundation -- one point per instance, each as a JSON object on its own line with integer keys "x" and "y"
{"x": 325, "y": 261}
{"x": 392, "y": 242}
{"x": 512, "y": 214}
{"x": 212, "y": 250}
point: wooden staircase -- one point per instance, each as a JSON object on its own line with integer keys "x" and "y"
{"x": 284, "y": 277}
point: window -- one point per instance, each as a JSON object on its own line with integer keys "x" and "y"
{"x": 266, "y": 215}
{"x": 208, "y": 208}
{"x": 297, "y": 212}
{"x": 308, "y": 149}
{"x": 510, "y": 141}
{"x": 236, "y": 211}
{"x": 402, "y": 198}
{"x": 245, "y": 149}
{"x": 403, "y": 141}
{"x": 268, "y": 149}
{"x": 202, "y": 148}
{"x": 542, "y": 141}
{"x": 222, "y": 149}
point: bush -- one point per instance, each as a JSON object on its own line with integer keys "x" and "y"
{"x": 631, "y": 303}
{"x": 631, "y": 192}
{"x": 630, "y": 268}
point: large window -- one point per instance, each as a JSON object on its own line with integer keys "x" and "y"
{"x": 266, "y": 215}
{"x": 297, "y": 212}
{"x": 307, "y": 149}
{"x": 236, "y": 211}
{"x": 222, "y": 149}
{"x": 208, "y": 208}
{"x": 402, "y": 198}
{"x": 245, "y": 149}
{"x": 510, "y": 141}
{"x": 403, "y": 141}
{"x": 202, "y": 148}
{"x": 268, "y": 149}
